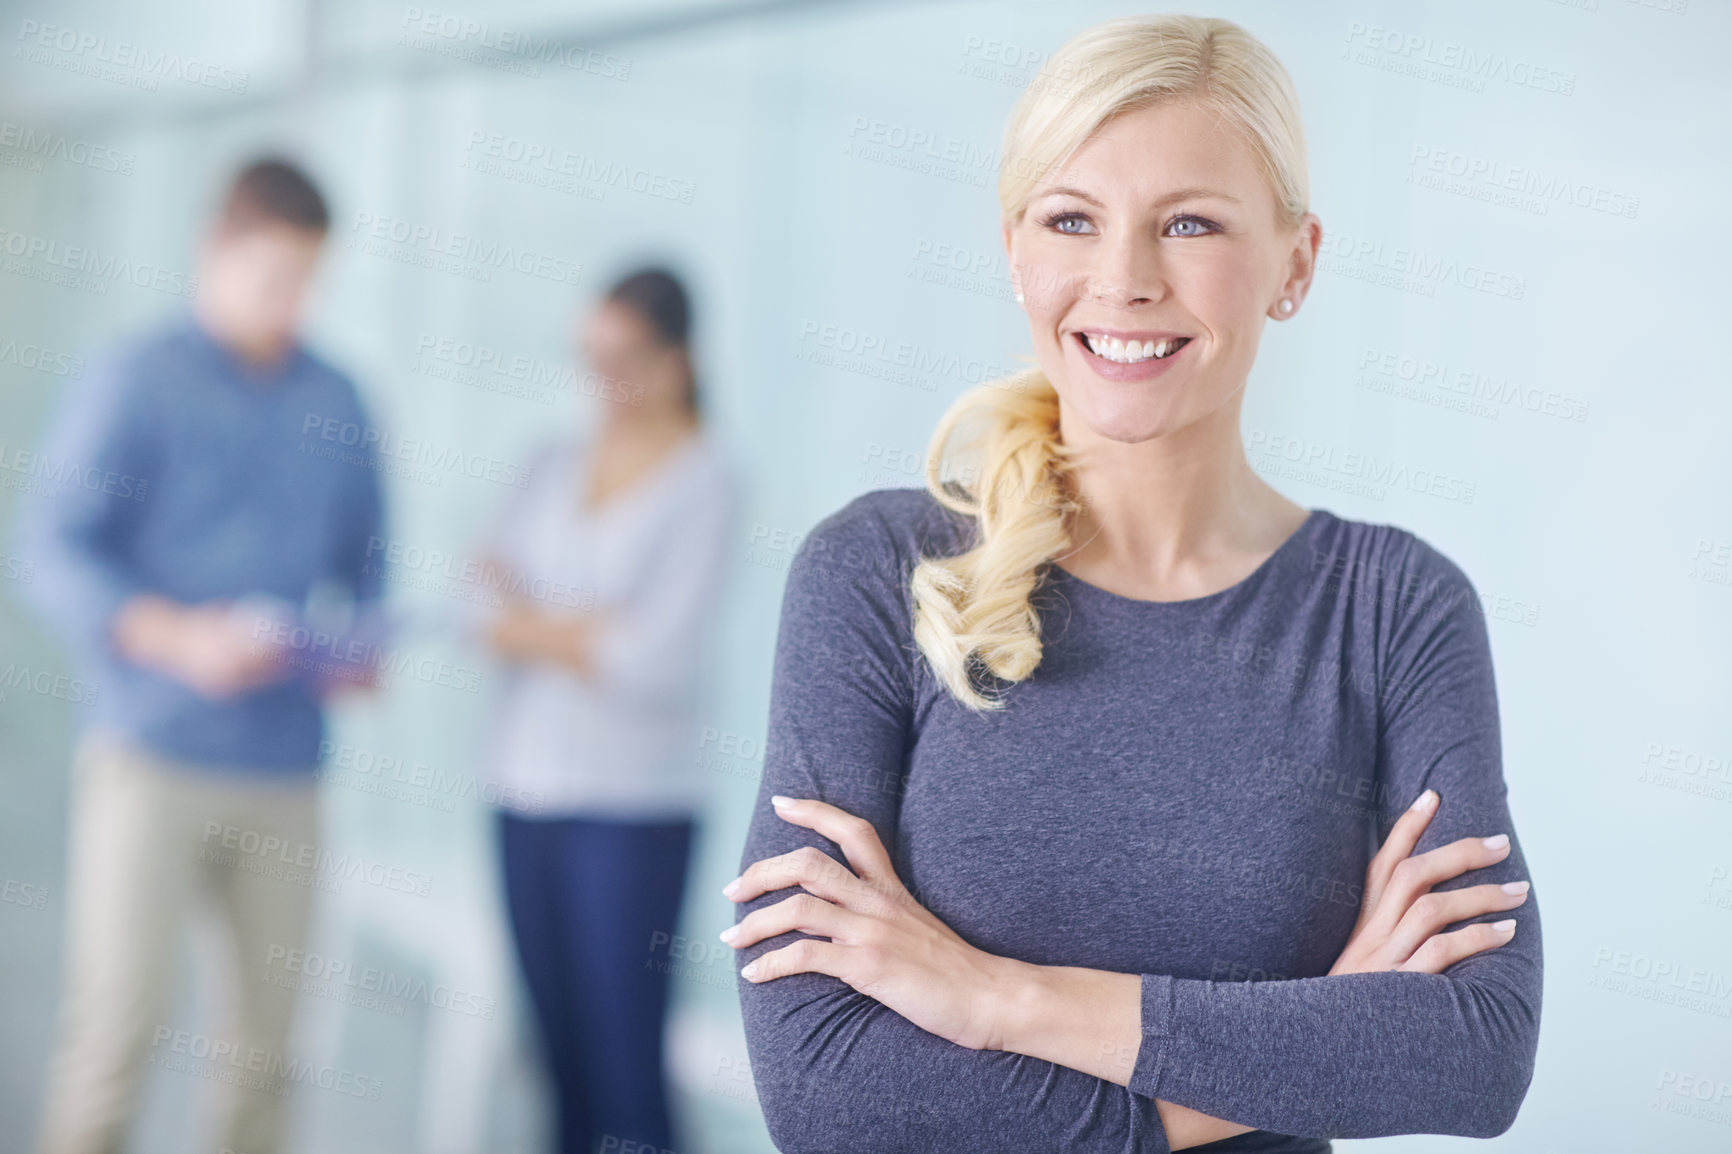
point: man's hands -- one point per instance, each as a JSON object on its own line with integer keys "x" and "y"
{"x": 1400, "y": 918}
{"x": 197, "y": 645}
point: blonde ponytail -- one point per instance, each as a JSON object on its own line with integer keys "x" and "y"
{"x": 975, "y": 606}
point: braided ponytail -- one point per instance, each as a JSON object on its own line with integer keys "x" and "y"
{"x": 974, "y": 608}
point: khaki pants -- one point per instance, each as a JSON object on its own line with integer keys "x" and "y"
{"x": 153, "y": 841}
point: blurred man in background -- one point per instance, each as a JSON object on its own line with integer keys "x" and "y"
{"x": 192, "y": 523}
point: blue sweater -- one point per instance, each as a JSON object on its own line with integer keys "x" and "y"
{"x": 1187, "y": 791}
{"x": 175, "y": 470}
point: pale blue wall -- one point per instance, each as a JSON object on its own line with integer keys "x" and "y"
{"x": 1589, "y": 529}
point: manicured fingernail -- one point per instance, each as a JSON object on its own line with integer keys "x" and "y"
{"x": 731, "y": 888}
{"x": 1497, "y": 841}
{"x": 1515, "y": 887}
{"x": 1507, "y": 926}
{"x": 778, "y": 800}
{"x": 750, "y": 969}
{"x": 1425, "y": 801}
{"x": 730, "y": 933}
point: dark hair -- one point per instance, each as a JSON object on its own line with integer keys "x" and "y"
{"x": 273, "y": 191}
{"x": 659, "y": 297}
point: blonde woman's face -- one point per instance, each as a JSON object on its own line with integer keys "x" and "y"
{"x": 1158, "y": 237}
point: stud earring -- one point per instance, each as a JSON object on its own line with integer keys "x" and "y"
{"x": 1018, "y": 296}
{"x": 1286, "y": 305}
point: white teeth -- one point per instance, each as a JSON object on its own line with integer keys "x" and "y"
{"x": 1131, "y": 352}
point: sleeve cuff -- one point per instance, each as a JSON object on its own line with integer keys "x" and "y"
{"x": 1149, "y": 1069}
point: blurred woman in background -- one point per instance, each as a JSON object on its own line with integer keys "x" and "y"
{"x": 609, "y": 563}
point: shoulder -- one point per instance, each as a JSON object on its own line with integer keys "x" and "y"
{"x": 852, "y": 573}
{"x": 138, "y": 364}
{"x": 849, "y": 596}
{"x": 127, "y": 388}
{"x": 1415, "y": 604}
{"x": 882, "y": 535}
{"x": 1397, "y": 565}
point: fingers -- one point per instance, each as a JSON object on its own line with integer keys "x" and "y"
{"x": 806, "y": 956}
{"x": 857, "y": 836}
{"x": 807, "y": 867}
{"x": 1441, "y": 951}
{"x": 870, "y": 886}
{"x": 1416, "y": 875}
{"x": 1398, "y": 845}
{"x": 1431, "y": 912}
{"x": 803, "y": 912}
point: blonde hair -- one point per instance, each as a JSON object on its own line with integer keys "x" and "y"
{"x": 975, "y": 608}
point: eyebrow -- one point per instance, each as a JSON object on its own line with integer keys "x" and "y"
{"x": 1193, "y": 193}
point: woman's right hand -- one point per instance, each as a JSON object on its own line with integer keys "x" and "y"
{"x": 1400, "y": 918}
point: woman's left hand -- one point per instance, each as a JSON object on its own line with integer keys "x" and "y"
{"x": 883, "y": 942}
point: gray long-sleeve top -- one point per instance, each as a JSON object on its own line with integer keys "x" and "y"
{"x": 1188, "y": 791}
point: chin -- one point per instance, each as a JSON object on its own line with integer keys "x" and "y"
{"x": 1127, "y": 419}
{"x": 1129, "y": 432}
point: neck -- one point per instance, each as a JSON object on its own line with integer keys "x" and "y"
{"x": 1156, "y": 506}
{"x": 626, "y": 423}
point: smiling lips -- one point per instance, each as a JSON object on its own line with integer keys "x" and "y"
{"x": 1132, "y": 350}
{"x": 1129, "y": 356}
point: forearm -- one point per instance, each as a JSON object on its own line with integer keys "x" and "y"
{"x": 78, "y": 587}
{"x": 1348, "y": 1056}
{"x": 1091, "y": 1021}
{"x": 530, "y": 636}
{"x": 1371, "y": 1054}
{"x": 837, "y": 1071}
{"x": 79, "y": 541}
{"x": 570, "y": 644}
{"x": 643, "y": 656}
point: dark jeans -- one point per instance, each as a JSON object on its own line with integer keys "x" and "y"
{"x": 587, "y": 899}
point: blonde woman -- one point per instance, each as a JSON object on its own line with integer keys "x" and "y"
{"x": 1125, "y": 804}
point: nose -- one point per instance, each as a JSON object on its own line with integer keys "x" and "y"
{"x": 1126, "y": 272}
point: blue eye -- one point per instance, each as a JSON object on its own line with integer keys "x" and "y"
{"x": 1200, "y": 226}
{"x": 1068, "y": 223}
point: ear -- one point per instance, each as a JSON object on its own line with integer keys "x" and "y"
{"x": 1005, "y": 231}
{"x": 1301, "y": 267}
